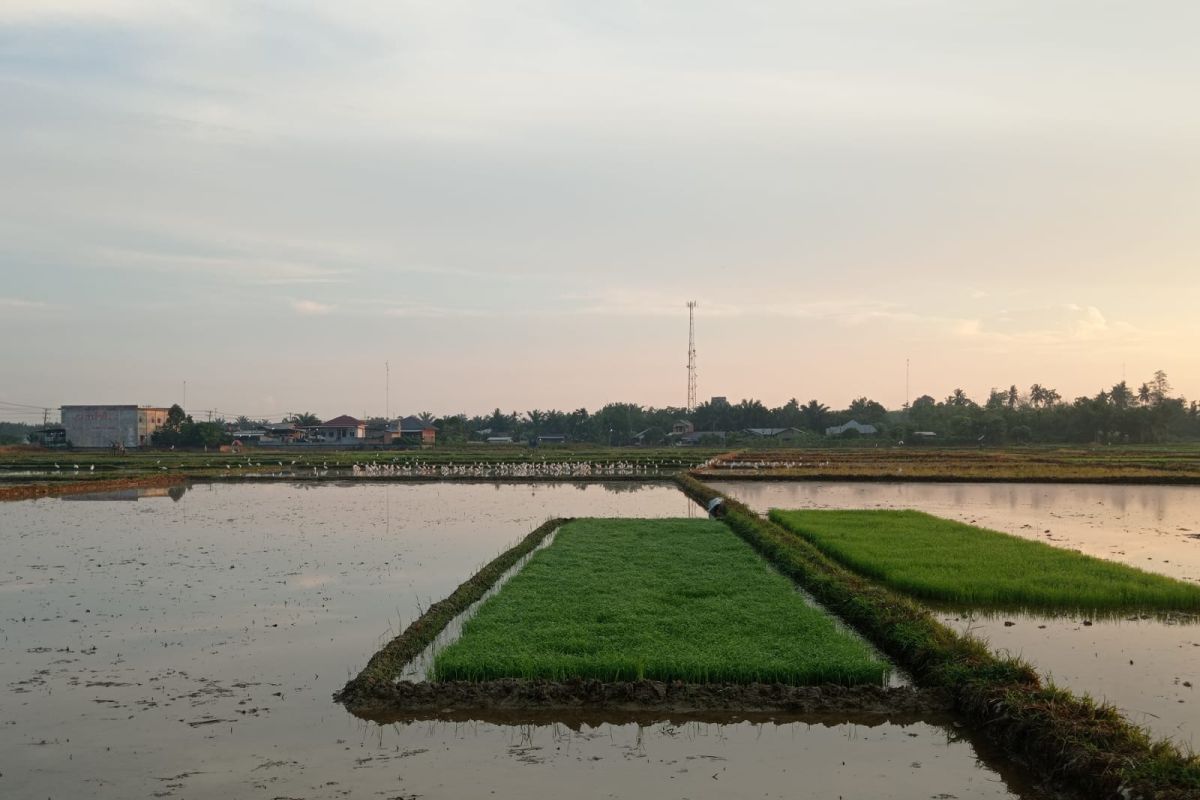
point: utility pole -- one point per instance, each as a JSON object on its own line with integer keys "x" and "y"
{"x": 691, "y": 367}
{"x": 906, "y": 392}
{"x": 185, "y": 396}
{"x": 387, "y": 390}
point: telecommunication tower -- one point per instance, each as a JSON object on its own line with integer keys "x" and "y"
{"x": 691, "y": 400}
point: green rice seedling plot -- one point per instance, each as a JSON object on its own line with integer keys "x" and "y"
{"x": 675, "y": 599}
{"x": 941, "y": 560}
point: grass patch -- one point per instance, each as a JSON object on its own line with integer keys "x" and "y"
{"x": 945, "y": 561}
{"x": 623, "y": 600}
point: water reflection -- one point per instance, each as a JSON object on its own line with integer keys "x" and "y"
{"x": 1156, "y": 528}
{"x": 133, "y": 494}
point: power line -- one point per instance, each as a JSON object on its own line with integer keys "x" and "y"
{"x": 24, "y": 405}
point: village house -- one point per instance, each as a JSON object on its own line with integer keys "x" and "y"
{"x": 411, "y": 430}
{"x": 775, "y": 434}
{"x": 852, "y": 425}
{"x": 340, "y": 429}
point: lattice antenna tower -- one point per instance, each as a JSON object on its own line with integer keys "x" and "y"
{"x": 691, "y": 400}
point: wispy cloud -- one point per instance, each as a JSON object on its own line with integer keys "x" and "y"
{"x": 1068, "y": 325}
{"x": 671, "y": 304}
{"x": 311, "y": 307}
{"x": 22, "y": 303}
{"x": 249, "y": 269}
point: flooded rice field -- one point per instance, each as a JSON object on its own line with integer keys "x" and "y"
{"x": 164, "y": 643}
{"x": 1155, "y": 528}
{"x": 1147, "y": 667}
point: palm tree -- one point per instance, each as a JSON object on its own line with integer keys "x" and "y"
{"x": 1013, "y": 396}
{"x": 959, "y": 399}
{"x": 815, "y": 415}
{"x": 304, "y": 420}
{"x": 426, "y": 417}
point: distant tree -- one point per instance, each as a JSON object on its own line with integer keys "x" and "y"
{"x": 789, "y": 415}
{"x": 866, "y": 410}
{"x": 304, "y": 420}
{"x": 426, "y": 417}
{"x": 1160, "y": 387}
{"x": 1120, "y": 396}
{"x": 1013, "y": 398}
{"x": 815, "y": 416}
{"x": 536, "y": 419}
{"x": 175, "y": 418}
{"x": 1042, "y": 397}
{"x": 959, "y": 399}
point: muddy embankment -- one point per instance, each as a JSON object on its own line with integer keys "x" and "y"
{"x": 35, "y": 490}
{"x": 605, "y": 701}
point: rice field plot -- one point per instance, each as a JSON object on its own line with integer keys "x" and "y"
{"x": 675, "y": 599}
{"x": 950, "y": 562}
{"x": 1134, "y": 464}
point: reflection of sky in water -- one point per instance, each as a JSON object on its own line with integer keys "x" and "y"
{"x": 1144, "y": 526}
{"x": 193, "y": 647}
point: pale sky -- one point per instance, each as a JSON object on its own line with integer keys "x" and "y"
{"x": 512, "y": 202}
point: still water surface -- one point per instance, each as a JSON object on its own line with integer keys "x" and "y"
{"x": 187, "y": 645}
{"x": 1149, "y": 668}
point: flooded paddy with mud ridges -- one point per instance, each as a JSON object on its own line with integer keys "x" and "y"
{"x": 186, "y": 644}
{"x": 1147, "y": 666}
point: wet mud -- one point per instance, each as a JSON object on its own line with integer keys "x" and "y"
{"x": 406, "y": 699}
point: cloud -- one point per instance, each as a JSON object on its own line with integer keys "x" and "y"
{"x": 252, "y": 269}
{"x": 18, "y": 302}
{"x": 623, "y": 303}
{"x": 310, "y": 307}
{"x": 1069, "y": 325}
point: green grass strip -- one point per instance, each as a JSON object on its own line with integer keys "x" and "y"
{"x": 386, "y": 665}
{"x": 1068, "y": 740}
{"x": 941, "y": 560}
{"x": 676, "y": 599}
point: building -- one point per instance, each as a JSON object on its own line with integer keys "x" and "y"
{"x": 49, "y": 437}
{"x": 776, "y": 434}
{"x": 852, "y": 425}
{"x": 682, "y": 427}
{"x": 698, "y": 438}
{"x": 340, "y": 429}
{"x": 106, "y": 426}
{"x": 411, "y": 430}
{"x": 282, "y": 433}
{"x": 552, "y": 438}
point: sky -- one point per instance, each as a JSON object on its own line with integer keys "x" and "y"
{"x": 509, "y": 204}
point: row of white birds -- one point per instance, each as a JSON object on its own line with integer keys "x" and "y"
{"x": 758, "y": 465}
{"x": 481, "y": 469}
{"x": 525, "y": 469}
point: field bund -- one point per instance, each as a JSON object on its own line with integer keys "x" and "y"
{"x": 941, "y": 560}
{"x": 667, "y": 600}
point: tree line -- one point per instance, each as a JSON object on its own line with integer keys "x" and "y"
{"x": 1122, "y": 414}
